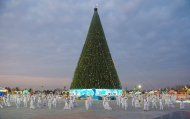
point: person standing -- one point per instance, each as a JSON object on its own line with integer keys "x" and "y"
{"x": 54, "y": 102}
{"x": 25, "y": 100}
{"x": 18, "y": 101}
{"x": 39, "y": 102}
{"x": 86, "y": 104}
{"x": 32, "y": 103}
{"x": 8, "y": 100}
{"x": 182, "y": 106}
{"x": 122, "y": 102}
{"x": 161, "y": 104}
{"x": 106, "y": 104}
{"x": 146, "y": 105}
{"x": 1, "y": 106}
{"x": 67, "y": 104}
{"x": 49, "y": 102}
{"x": 154, "y": 103}
{"x": 133, "y": 100}
{"x": 126, "y": 103}
{"x": 4, "y": 100}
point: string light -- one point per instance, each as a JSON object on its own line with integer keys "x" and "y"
{"x": 95, "y": 67}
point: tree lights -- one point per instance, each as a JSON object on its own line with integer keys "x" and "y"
{"x": 95, "y": 68}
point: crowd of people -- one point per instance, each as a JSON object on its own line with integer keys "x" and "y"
{"x": 145, "y": 102}
{"x": 148, "y": 102}
{"x": 36, "y": 101}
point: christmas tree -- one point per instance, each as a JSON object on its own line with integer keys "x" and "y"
{"x": 95, "y": 67}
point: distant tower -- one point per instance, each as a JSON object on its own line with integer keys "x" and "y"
{"x": 95, "y": 67}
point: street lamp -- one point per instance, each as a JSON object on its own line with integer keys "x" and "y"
{"x": 139, "y": 86}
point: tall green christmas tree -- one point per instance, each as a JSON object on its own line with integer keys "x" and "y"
{"x": 95, "y": 67}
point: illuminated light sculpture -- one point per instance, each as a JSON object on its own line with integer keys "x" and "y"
{"x": 99, "y": 92}
{"x": 3, "y": 91}
{"x": 95, "y": 71}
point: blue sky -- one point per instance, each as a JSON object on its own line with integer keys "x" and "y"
{"x": 41, "y": 40}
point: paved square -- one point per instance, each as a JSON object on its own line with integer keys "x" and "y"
{"x": 95, "y": 112}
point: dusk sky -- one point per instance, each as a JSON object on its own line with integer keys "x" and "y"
{"x": 41, "y": 41}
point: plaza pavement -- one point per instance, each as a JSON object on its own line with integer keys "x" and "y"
{"x": 95, "y": 112}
